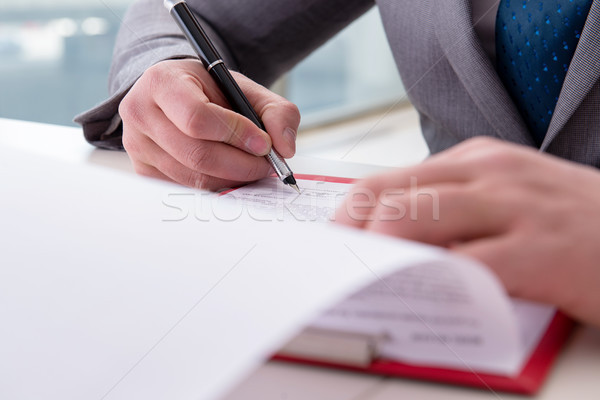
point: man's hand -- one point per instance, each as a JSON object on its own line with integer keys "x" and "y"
{"x": 533, "y": 219}
{"x": 177, "y": 126}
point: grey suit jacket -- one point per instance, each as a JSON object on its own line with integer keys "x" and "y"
{"x": 448, "y": 76}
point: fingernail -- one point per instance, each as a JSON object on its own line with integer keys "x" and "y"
{"x": 290, "y": 136}
{"x": 258, "y": 145}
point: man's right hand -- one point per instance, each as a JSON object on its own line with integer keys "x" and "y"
{"x": 178, "y": 126}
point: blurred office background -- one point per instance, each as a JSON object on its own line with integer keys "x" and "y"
{"x": 55, "y": 56}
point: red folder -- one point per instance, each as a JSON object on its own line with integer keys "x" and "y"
{"x": 528, "y": 381}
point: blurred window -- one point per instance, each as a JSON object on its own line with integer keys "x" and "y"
{"x": 55, "y": 56}
{"x": 352, "y": 73}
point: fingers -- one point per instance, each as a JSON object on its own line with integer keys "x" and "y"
{"x": 280, "y": 117}
{"x": 168, "y": 150}
{"x": 149, "y": 171}
{"x": 192, "y": 101}
{"x": 153, "y": 161}
{"x": 208, "y": 157}
{"x": 184, "y": 99}
{"x": 532, "y": 263}
{"x": 463, "y": 165}
{"x": 363, "y": 196}
{"x": 498, "y": 254}
{"x": 438, "y": 214}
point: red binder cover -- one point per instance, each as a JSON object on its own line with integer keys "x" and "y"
{"x": 528, "y": 381}
{"x": 322, "y": 178}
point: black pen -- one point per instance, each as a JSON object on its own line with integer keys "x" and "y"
{"x": 215, "y": 66}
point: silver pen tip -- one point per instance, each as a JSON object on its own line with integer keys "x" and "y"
{"x": 296, "y": 188}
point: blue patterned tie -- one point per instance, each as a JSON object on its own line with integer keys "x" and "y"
{"x": 535, "y": 42}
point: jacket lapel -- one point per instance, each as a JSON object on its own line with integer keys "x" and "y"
{"x": 475, "y": 70}
{"x": 583, "y": 73}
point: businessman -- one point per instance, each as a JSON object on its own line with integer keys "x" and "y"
{"x": 524, "y": 199}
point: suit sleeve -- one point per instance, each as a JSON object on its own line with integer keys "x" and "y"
{"x": 260, "y": 38}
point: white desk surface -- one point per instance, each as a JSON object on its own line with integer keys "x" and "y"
{"x": 575, "y": 374}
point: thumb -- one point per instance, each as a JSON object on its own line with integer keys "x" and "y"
{"x": 280, "y": 116}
